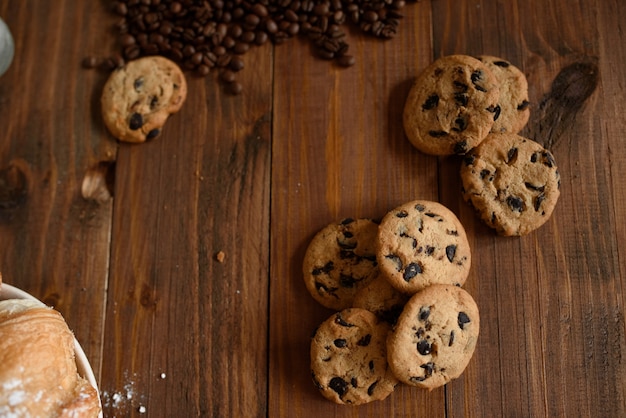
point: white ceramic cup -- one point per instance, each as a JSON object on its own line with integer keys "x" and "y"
{"x": 6, "y": 47}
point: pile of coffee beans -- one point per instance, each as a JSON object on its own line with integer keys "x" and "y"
{"x": 215, "y": 34}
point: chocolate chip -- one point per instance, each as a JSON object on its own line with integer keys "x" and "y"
{"x": 340, "y": 343}
{"x": 460, "y": 87}
{"x": 420, "y": 208}
{"x": 534, "y": 157}
{"x": 339, "y": 320}
{"x": 347, "y": 221}
{"x": 524, "y": 105}
{"x": 424, "y": 313}
{"x": 396, "y": 260}
{"x": 463, "y": 319}
{"x": 511, "y": 156}
{"x": 371, "y": 365}
{"x": 138, "y": 83}
{"x": 370, "y": 389}
{"x": 496, "y": 112}
{"x": 354, "y": 382}
{"x": 428, "y": 368}
{"x": 431, "y": 102}
{"x": 460, "y": 124}
{"x": 484, "y": 173}
{"x": 153, "y": 134}
{"x": 450, "y": 252}
{"x": 412, "y": 270}
{"x": 548, "y": 159}
{"x": 154, "y": 102}
{"x": 325, "y": 269}
{"x": 502, "y": 64}
{"x": 516, "y": 204}
{"x": 469, "y": 159}
{"x": 136, "y": 121}
{"x": 365, "y": 341}
{"x": 423, "y": 347}
{"x": 477, "y": 77}
{"x": 461, "y": 99}
{"x": 347, "y": 281}
{"x": 437, "y": 134}
{"x": 538, "y": 201}
{"x": 402, "y": 214}
{"x": 347, "y": 245}
{"x": 451, "y": 338}
{"x": 338, "y": 385}
{"x": 322, "y": 288}
{"x": 534, "y": 188}
{"x": 460, "y": 147}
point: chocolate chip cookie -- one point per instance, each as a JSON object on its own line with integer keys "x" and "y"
{"x": 451, "y": 106}
{"x": 512, "y": 182}
{"x": 349, "y": 358}
{"x": 435, "y": 337}
{"x": 421, "y": 243}
{"x": 382, "y": 299}
{"x": 139, "y": 97}
{"x": 340, "y": 260}
{"x": 513, "y": 109}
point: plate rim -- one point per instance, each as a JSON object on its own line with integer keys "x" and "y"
{"x": 83, "y": 365}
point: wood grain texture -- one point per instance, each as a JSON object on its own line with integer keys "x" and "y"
{"x": 200, "y": 189}
{"x": 169, "y": 327}
{"x": 54, "y": 244}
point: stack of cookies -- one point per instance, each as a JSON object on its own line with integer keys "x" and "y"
{"x": 402, "y": 315}
{"x": 461, "y": 105}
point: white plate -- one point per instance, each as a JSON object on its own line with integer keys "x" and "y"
{"x": 82, "y": 364}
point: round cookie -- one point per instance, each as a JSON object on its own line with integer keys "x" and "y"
{"x": 349, "y": 358}
{"x": 340, "y": 260}
{"x": 435, "y": 337}
{"x": 382, "y": 299}
{"x": 421, "y": 243}
{"x": 139, "y": 97}
{"x": 513, "y": 107}
{"x": 451, "y": 106}
{"x": 512, "y": 182}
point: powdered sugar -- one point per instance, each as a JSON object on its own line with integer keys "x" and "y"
{"x": 120, "y": 402}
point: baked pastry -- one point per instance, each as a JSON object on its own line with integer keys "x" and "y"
{"x": 435, "y": 337}
{"x": 349, "y": 358}
{"x": 421, "y": 243}
{"x": 38, "y": 376}
{"x": 340, "y": 260}
{"x": 451, "y": 106}
{"x": 513, "y": 107}
{"x": 139, "y": 97}
{"x": 512, "y": 182}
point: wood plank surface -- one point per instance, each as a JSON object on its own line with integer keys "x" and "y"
{"x": 170, "y": 328}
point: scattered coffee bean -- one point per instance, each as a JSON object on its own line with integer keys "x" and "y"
{"x": 193, "y": 32}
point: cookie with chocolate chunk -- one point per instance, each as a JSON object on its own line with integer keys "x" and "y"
{"x": 513, "y": 108}
{"x": 421, "y": 243}
{"x": 435, "y": 337}
{"x": 340, "y": 260}
{"x": 452, "y": 105}
{"x": 349, "y": 358}
{"x": 512, "y": 182}
{"x": 382, "y": 299}
{"x": 139, "y": 97}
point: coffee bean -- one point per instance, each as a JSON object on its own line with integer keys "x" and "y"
{"x": 199, "y": 34}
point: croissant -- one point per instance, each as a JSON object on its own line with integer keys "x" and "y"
{"x": 38, "y": 374}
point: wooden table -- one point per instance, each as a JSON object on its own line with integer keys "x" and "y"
{"x": 169, "y": 328}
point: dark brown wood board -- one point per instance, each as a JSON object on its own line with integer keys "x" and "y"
{"x": 169, "y": 327}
